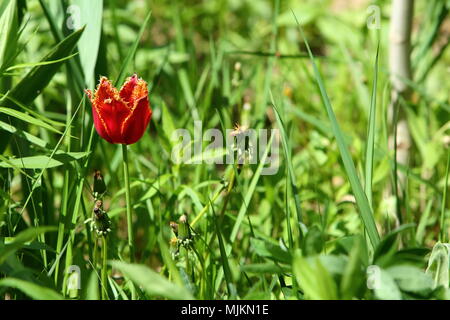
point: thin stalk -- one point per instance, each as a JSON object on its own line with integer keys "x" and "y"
{"x": 128, "y": 201}
{"x": 442, "y": 237}
{"x": 104, "y": 268}
{"x": 94, "y": 254}
{"x": 205, "y": 208}
{"x": 400, "y": 70}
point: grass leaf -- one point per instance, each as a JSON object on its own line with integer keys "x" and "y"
{"x": 32, "y": 290}
{"x": 151, "y": 282}
{"x": 361, "y": 199}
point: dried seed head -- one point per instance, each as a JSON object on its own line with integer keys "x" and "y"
{"x": 238, "y": 130}
{"x": 174, "y": 227}
{"x": 183, "y": 228}
{"x": 183, "y": 219}
{"x": 98, "y": 205}
{"x": 98, "y": 208}
{"x": 99, "y": 183}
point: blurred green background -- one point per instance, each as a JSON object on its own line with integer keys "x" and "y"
{"x": 297, "y": 234}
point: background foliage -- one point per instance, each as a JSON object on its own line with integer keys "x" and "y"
{"x": 297, "y": 234}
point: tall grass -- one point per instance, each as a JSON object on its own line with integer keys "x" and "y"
{"x": 321, "y": 227}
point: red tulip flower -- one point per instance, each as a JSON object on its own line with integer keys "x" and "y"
{"x": 121, "y": 116}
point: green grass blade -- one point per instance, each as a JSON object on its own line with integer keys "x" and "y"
{"x": 23, "y": 135}
{"x": 361, "y": 199}
{"x": 19, "y": 240}
{"x": 287, "y": 154}
{"x": 88, "y": 46}
{"x": 123, "y": 69}
{"x": 42, "y": 63}
{"x": 151, "y": 282}
{"x": 32, "y": 290}
{"x": 27, "y": 118}
{"x": 371, "y": 134}
{"x": 8, "y": 31}
{"x": 442, "y": 233}
{"x": 223, "y": 256}
{"x": 43, "y": 162}
{"x": 249, "y": 194}
{"x": 38, "y": 77}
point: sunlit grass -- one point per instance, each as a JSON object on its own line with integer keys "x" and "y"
{"x": 326, "y": 225}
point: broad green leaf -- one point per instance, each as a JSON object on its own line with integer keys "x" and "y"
{"x": 316, "y": 282}
{"x": 90, "y": 15}
{"x": 439, "y": 265}
{"x": 33, "y": 245}
{"x": 270, "y": 250}
{"x": 35, "y": 114}
{"x": 8, "y": 31}
{"x": 39, "y": 76}
{"x": 92, "y": 292}
{"x": 411, "y": 279}
{"x": 32, "y": 290}
{"x": 313, "y": 241}
{"x": 21, "y": 239}
{"x": 385, "y": 287}
{"x": 24, "y": 135}
{"x": 152, "y": 282}
{"x": 42, "y": 162}
{"x": 27, "y": 118}
{"x": 334, "y": 264}
{"x": 387, "y": 246}
{"x": 353, "y": 277}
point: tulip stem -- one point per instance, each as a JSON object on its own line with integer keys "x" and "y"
{"x": 128, "y": 200}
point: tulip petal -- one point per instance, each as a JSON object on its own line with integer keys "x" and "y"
{"x": 121, "y": 117}
{"x": 100, "y": 125}
{"x": 127, "y": 89}
{"x": 105, "y": 90}
{"x": 135, "y": 125}
{"x": 114, "y": 113}
{"x": 110, "y": 110}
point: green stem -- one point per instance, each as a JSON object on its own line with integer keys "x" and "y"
{"x": 128, "y": 199}
{"x": 104, "y": 269}
{"x": 442, "y": 233}
{"x": 94, "y": 254}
